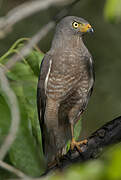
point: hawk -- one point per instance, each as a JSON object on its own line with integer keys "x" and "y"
{"x": 64, "y": 87}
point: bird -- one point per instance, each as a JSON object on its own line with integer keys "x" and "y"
{"x": 65, "y": 84}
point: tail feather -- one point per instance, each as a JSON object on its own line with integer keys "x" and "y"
{"x": 55, "y": 143}
{"x": 56, "y": 131}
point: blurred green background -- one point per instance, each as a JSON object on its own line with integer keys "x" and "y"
{"x": 105, "y": 103}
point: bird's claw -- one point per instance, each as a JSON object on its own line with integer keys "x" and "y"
{"x": 77, "y": 144}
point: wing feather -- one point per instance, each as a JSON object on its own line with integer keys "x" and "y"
{"x": 41, "y": 96}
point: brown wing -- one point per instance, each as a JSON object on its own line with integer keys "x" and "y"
{"x": 41, "y": 97}
{"x": 47, "y": 118}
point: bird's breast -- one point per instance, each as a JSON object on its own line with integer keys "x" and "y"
{"x": 69, "y": 71}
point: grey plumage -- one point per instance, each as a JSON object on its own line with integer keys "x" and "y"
{"x": 64, "y": 87}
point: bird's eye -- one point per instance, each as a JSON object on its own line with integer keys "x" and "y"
{"x": 75, "y": 25}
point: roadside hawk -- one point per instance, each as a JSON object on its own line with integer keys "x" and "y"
{"x": 65, "y": 84}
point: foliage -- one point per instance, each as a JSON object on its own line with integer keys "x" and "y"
{"x": 26, "y": 151}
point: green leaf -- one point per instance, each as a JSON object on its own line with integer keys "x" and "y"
{"x": 26, "y": 154}
{"x": 77, "y": 129}
{"x": 112, "y": 10}
{"x": 6, "y": 175}
{"x": 34, "y": 60}
{"x": 113, "y": 169}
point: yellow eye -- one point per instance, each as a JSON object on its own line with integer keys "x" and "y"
{"x": 75, "y": 25}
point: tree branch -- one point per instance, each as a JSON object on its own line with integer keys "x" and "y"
{"x": 13, "y": 104}
{"x": 28, "y": 46}
{"x": 25, "y": 10}
{"x": 13, "y": 170}
{"x": 38, "y": 36}
{"x": 107, "y": 135}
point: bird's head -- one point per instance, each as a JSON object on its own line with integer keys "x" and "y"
{"x": 74, "y": 25}
{"x": 69, "y": 31}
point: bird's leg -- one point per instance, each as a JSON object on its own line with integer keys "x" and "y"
{"x": 74, "y": 143}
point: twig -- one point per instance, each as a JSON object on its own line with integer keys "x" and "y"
{"x": 107, "y": 135}
{"x": 24, "y": 10}
{"x": 27, "y": 48}
{"x": 13, "y": 170}
{"x": 38, "y": 36}
{"x": 13, "y": 105}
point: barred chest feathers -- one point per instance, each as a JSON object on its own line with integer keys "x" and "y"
{"x": 69, "y": 71}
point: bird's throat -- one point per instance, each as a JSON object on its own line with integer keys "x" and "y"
{"x": 65, "y": 41}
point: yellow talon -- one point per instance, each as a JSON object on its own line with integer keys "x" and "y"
{"x": 76, "y": 144}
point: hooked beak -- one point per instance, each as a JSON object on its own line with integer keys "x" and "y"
{"x": 87, "y": 28}
{"x": 90, "y": 30}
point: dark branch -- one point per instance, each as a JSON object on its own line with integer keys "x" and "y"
{"x": 107, "y": 135}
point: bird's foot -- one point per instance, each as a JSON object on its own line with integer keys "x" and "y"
{"x": 77, "y": 144}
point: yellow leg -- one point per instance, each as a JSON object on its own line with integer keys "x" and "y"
{"x": 75, "y": 143}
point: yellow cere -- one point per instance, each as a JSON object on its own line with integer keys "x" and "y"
{"x": 82, "y": 27}
{"x": 85, "y": 27}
